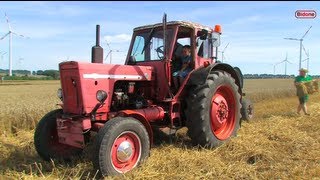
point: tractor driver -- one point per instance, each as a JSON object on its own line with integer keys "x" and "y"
{"x": 178, "y": 76}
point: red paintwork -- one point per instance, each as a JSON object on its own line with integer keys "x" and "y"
{"x": 135, "y": 143}
{"x": 202, "y": 62}
{"x": 148, "y": 114}
{"x": 70, "y": 132}
{"x": 222, "y": 114}
{"x": 175, "y": 114}
{"x": 82, "y": 98}
{"x": 161, "y": 88}
{"x": 54, "y": 142}
{"x": 145, "y": 116}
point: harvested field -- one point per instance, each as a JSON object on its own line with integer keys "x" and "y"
{"x": 277, "y": 144}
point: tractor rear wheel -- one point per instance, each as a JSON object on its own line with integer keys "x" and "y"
{"x": 213, "y": 110}
{"x": 247, "y": 110}
{"x": 121, "y": 145}
{"x": 46, "y": 139}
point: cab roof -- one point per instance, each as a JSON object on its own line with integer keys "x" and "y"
{"x": 179, "y": 23}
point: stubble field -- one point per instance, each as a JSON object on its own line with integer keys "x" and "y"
{"x": 277, "y": 144}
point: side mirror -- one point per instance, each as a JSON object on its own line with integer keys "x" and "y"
{"x": 132, "y": 60}
{"x": 203, "y": 34}
{"x": 215, "y": 39}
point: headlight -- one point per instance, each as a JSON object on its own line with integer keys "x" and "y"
{"x": 59, "y": 93}
{"x": 101, "y": 96}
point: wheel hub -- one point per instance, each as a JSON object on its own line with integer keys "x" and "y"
{"x": 220, "y": 110}
{"x": 124, "y": 151}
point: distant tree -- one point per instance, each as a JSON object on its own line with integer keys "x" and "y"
{"x": 39, "y": 72}
{"x": 52, "y": 73}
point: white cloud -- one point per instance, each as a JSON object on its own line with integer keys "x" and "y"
{"x": 119, "y": 38}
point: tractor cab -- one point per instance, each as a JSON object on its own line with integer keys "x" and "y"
{"x": 161, "y": 47}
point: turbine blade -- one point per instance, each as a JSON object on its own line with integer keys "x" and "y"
{"x": 20, "y": 35}
{"x": 4, "y": 36}
{"x": 306, "y": 32}
{"x": 108, "y": 44}
{"x": 7, "y": 18}
{"x": 225, "y": 47}
{"x": 292, "y": 39}
{"x": 107, "y": 55}
{"x": 304, "y": 50}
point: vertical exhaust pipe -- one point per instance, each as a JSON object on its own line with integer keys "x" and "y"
{"x": 164, "y": 24}
{"x": 97, "y": 50}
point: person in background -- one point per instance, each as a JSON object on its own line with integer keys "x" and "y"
{"x": 302, "y": 93}
{"x": 186, "y": 59}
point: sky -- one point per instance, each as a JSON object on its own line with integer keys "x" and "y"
{"x": 62, "y": 30}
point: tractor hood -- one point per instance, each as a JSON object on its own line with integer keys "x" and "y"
{"x": 80, "y": 82}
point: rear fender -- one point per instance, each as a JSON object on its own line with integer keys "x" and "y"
{"x": 199, "y": 76}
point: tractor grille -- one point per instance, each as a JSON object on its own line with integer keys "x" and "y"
{"x": 70, "y": 83}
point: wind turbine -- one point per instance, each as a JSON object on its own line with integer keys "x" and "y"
{"x": 222, "y": 52}
{"x": 301, "y": 39}
{"x": 10, "y": 43}
{"x": 110, "y": 52}
{"x": 274, "y": 67}
{"x": 307, "y": 59}
{"x": 285, "y": 61}
{"x": 20, "y": 62}
{"x": 2, "y": 53}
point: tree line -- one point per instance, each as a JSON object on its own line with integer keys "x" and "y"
{"x": 17, "y": 74}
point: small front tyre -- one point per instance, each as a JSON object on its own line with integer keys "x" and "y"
{"x": 46, "y": 139}
{"x": 121, "y": 145}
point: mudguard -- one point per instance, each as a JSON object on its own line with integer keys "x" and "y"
{"x": 197, "y": 76}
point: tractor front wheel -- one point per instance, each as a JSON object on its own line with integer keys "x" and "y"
{"x": 213, "y": 110}
{"x": 46, "y": 139}
{"x": 121, "y": 145}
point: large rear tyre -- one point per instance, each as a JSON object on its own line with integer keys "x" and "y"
{"x": 247, "y": 110}
{"x": 46, "y": 139}
{"x": 121, "y": 145}
{"x": 213, "y": 110}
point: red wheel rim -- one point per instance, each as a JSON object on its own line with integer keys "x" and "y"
{"x": 125, "y": 151}
{"x": 222, "y": 114}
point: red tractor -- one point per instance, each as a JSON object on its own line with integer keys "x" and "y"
{"x": 123, "y": 104}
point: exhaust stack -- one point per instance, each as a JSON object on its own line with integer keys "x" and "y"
{"x": 97, "y": 50}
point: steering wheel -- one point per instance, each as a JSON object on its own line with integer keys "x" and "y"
{"x": 160, "y": 52}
